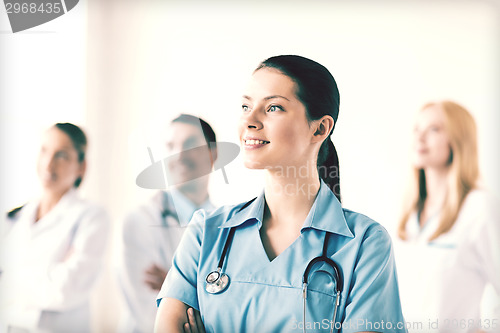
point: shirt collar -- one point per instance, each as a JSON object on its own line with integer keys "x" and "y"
{"x": 53, "y": 216}
{"x": 326, "y": 214}
{"x": 253, "y": 212}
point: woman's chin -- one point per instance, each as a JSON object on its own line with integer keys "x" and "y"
{"x": 251, "y": 164}
{"x": 418, "y": 163}
{"x": 47, "y": 184}
{"x": 51, "y": 187}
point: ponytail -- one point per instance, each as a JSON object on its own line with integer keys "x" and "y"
{"x": 328, "y": 167}
{"x": 318, "y": 91}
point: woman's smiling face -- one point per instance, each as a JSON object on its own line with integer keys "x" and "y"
{"x": 274, "y": 130}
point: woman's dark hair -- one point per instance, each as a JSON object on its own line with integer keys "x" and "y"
{"x": 79, "y": 140}
{"x": 317, "y": 90}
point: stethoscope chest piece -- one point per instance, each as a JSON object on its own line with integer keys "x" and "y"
{"x": 216, "y": 282}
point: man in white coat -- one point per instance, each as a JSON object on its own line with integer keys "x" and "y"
{"x": 152, "y": 232}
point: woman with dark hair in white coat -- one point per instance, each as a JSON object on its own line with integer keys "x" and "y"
{"x": 52, "y": 247}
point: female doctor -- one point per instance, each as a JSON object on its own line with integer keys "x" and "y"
{"x": 288, "y": 114}
{"x": 52, "y": 247}
{"x": 450, "y": 229}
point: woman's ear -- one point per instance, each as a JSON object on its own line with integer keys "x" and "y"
{"x": 83, "y": 168}
{"x": 322, "y": 128}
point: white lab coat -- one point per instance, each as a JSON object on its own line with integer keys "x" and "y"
{"x": 149, "y": 238}
{"x": 48, "y": 268}
{"x": 442, "y": 282}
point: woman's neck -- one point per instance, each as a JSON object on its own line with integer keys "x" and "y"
{"x": 436, "y": 183}
{"x": 48, "y": 201}
{"x": 290, "y": 196}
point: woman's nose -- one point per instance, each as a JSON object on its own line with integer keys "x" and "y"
{"x": 252, "y": 120}
{"x": 419, "y": 135}
{"x": 52, "y": 162}
{"x": 46, "y": 162}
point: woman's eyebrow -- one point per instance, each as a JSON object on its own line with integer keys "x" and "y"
{"x": 65, "y": 148}
{"x": 267, "y": 98}
{"x": 276, "y": 96}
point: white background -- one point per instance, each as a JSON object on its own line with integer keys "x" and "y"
{"x": 121, "y": 69}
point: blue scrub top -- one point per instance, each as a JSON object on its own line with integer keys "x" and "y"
{"x": 266, "y": 296}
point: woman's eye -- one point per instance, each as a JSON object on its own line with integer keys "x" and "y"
{"x": 274, "y": 108}
{"x": 245, "y": 108}
{"x": 62, "y": 155}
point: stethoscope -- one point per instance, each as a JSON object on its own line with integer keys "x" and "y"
{"x": 218, "y": 281}
{"x": 336, "y": 277}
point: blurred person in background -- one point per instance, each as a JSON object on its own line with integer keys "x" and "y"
{"x": 52, "y": 247}
{"x": 152, "y": 231}
{"x": 450, "y": 229}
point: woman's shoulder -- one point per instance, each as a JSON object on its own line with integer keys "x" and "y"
{"x": 481, "y": 198}
{"x": 13, "y": 214}
{"x": 363, "y": 226}
{"x": 11, "y": 218}
{"x": 23, "y": 208}
{"x": 215, "y": 218}
{"x": 208, "y": 225}
{"x": 77, "y": 200}
{"x": 480, "y": 205}
{"x": 80, "y": 207}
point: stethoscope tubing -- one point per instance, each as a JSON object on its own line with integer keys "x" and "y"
{"x": 339, "y": 282}
{"x": 220, "y": 283}
{"x": 229, "y": 240}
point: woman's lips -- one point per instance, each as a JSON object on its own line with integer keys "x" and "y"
{"x": 422, "y": 151}
{"x": 254, "y": 143}
{"x": 48, "y": 177}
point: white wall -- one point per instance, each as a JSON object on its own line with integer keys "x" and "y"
{"x": 42, "y": 81}
{"x": 389, "y": 58}
{"x": 126, "y": 67}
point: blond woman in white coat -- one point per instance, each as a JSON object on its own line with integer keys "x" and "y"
{"x": 450, "y": 230}
{"x": 52, "y": 247}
